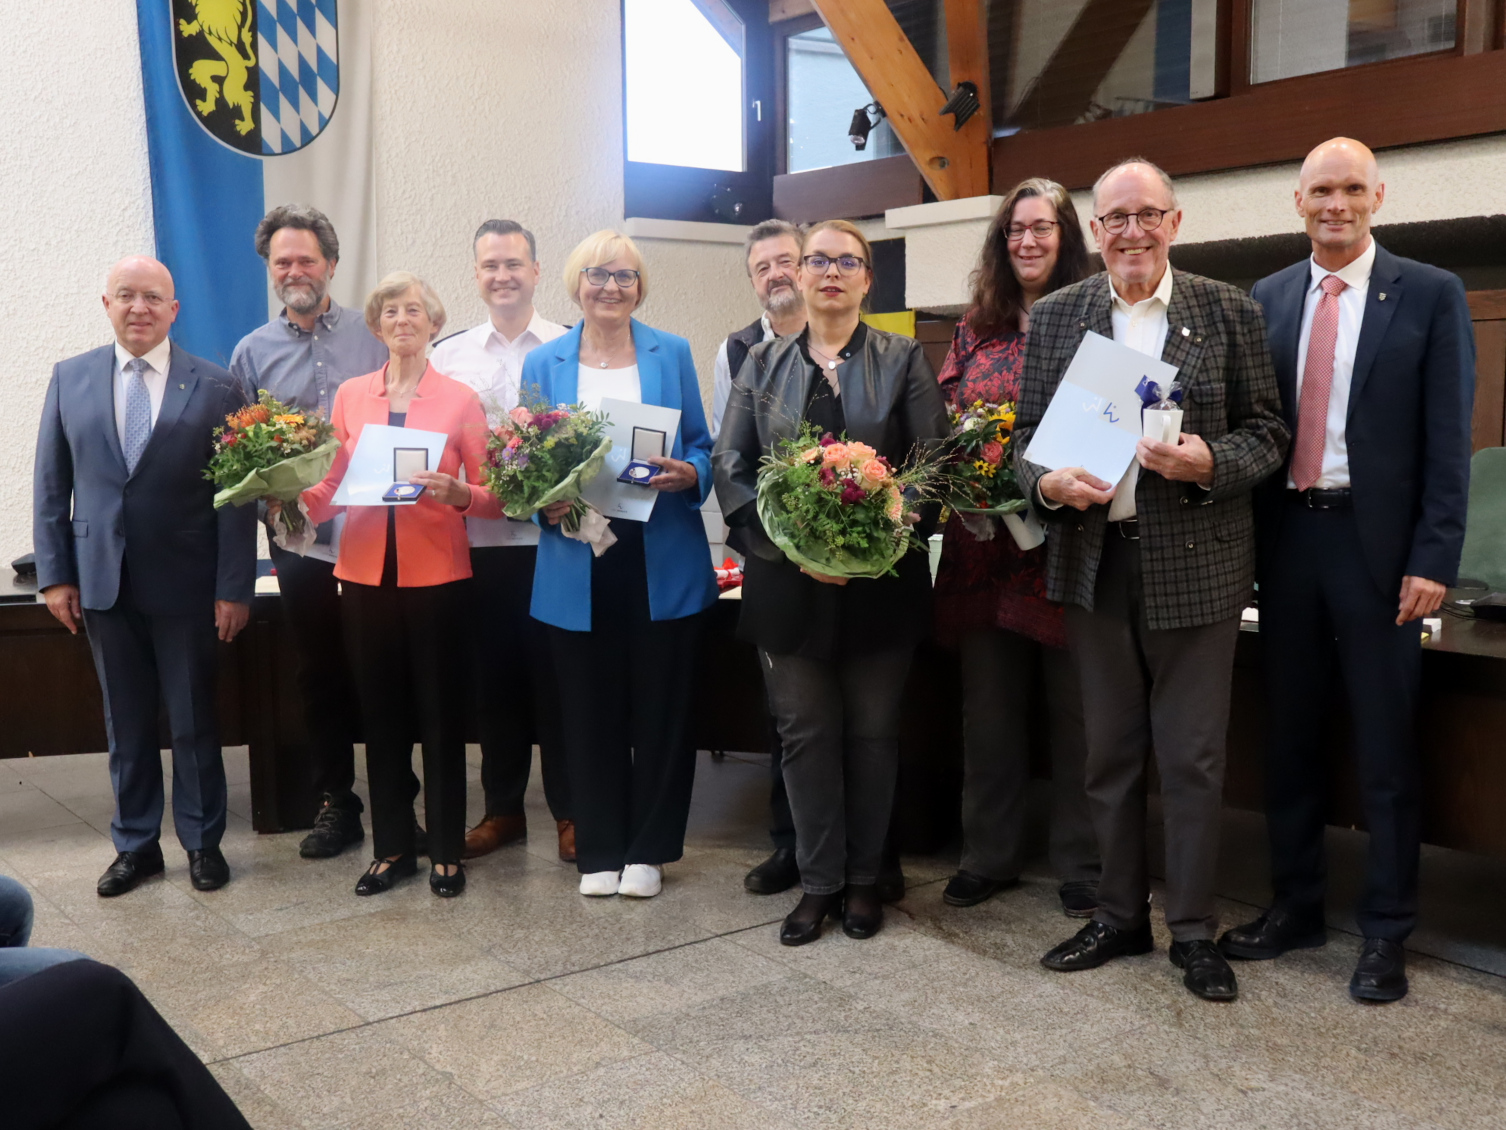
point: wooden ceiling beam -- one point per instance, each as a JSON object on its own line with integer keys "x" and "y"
{"x": 967, "y": 52}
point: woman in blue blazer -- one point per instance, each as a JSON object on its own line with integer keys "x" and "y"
{"x": 624, "y": 627}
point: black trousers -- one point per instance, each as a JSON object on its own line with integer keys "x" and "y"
{"x": 331, "y": 713}
{"x": 781, "y": 820}
{"x": 626, "y": 718}
{"x": 516, "y": 691}
{"x": 82, "y": 1049}
{"x": 1320, "y": 609}
{"x": 411, "y": 651}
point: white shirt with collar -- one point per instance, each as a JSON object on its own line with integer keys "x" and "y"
{"x": 486, "y": 361}
{"x": 154, "y": 376}
{"x": 1143, "y": 328}
{"x": 1356, "y": 276}
{"x": 721, "y": 378}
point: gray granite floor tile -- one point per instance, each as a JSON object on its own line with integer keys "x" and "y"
{"x": 27, "y": 810}
{"x": 260, "y": 1111}
{"x": 1041, "y": 1106}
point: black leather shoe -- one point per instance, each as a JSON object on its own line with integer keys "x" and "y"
{"x": 128, "y": 870}
{"x": 207, "y": 869}
{"x": 1381, "y": 974}
{"x": 778, "y": 873}
{"x": 337, "y": 826}
{"x": 862, "y": 912}
{"x": 1273, "y": 933}
{"x": 447, "y": 886}
{"x": 803, "y": 924}
{"x": 967, "y": 889}
{"x": 374, "y": 882}
{"x": 1079, "y": 898}
{"x": 1208, "y": 974}
{"x": 1096, "y": 944}
{"x": 891, "y": 884}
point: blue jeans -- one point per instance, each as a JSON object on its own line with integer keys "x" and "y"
{"x": 17, "y": 960}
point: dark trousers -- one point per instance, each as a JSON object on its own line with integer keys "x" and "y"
{"x": 410, "y": 652}
{"x": 327, "y": 697}
{"x": 143, "y": 660}
{"x": 1320, "y": 607}
{"x": 781, "y": 820}
{"x": 82, "y": 1049}
{"x": 516, "y": 692}
{"x": 839, "y": 721}
{"x": 1011, "y": 684}
{"x": 627, "y": 726}
{"x": 1165, "y": 690}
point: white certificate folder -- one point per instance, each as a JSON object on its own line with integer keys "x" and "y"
{"x": 385, "y": 455}
{"x": 628, "y": 500}
{"x": 1093, "y": 420}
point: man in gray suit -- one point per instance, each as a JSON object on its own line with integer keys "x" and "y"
{"x": 129, "y": 545}
{"x": 1155, "y": 569}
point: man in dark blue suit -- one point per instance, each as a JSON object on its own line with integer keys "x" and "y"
{"x": 129, "y": 545}
{"x": 1359, "y": 535}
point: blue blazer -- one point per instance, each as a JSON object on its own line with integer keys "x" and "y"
{"x": 681, "y": 581}
{"x": 89, "y": 516}
{"x": 1408, "y": 424}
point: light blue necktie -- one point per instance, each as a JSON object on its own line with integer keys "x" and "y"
{"x": 138, "y": 413}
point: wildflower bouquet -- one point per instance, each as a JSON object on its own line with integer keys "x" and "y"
{"x": 836, "y": 507}
{"x": 540, "y": 455}
{"x": 268, "y": 450}
{"x": 980, "y": 479}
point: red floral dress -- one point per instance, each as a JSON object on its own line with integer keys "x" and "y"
{"x": 990, "y": 584}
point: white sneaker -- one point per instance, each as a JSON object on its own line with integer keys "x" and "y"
{"x": 599, "y": 883}
{"x": 641, "y": 881}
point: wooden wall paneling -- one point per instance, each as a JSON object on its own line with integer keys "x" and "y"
{"x": 1488, "y": 426}
{"x": 1486, "y": 304}
{"x": 1236, "y": 50}
{"x": 867, "y": 188}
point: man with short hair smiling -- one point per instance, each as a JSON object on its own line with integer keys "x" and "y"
{"x": 1359, "y": 535}
{"x": 1155, "y": 570}
{"x": 517, "y": 699}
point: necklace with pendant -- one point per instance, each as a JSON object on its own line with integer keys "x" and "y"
{"x": 831, "y": 363}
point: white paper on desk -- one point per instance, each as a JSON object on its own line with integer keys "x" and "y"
{"x": 625, "y": 500}
{"x": 1093, "y": 421}
{"x": 369, "y": 473}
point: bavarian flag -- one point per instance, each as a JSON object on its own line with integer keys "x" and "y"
{"x": 251, "y": 104}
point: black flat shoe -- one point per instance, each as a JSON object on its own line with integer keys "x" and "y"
{"x": 1273, "y": 934}
{"x": 128, "y": 870}
{"x": 375, "y": 882}
{"x": 207, "y": 869}
{"x": 1207, "y": 973}
{"x": 803, "y": 924}
{"x": 1079, "y": 899}
{"x": 1097, "y": 944}
{"x": 1381, "y": 974}
{"x": 778, "y": 873}
{"x": 967, "y": 889}
{"x": 862, "y": 912}
{"x": 336, "y": 827}
{"x": 447, "y": 886}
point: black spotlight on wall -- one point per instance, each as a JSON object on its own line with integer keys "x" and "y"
{"x": 962, "y": 105}
{"x": 864, "y": 118}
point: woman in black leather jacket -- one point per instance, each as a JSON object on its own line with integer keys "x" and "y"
{"x": 835, "y": 653}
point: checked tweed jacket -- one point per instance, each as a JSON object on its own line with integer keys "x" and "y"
{"x": 1197, "y": 547}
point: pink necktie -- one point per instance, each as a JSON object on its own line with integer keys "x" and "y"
{"x": 1317, "y": 383}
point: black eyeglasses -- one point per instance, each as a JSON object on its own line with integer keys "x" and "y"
{"x": 1041, "y": 229}
{"x": 846, "y": 264}
{"x": 1149, "y": 219}
{"x": 598, "y": 276}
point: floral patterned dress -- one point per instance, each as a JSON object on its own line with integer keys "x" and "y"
{"x": 990, "y": 584}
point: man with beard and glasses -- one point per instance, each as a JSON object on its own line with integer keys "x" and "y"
{"x": 302, "y": 357}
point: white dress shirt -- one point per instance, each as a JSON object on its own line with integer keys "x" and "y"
{"x": 484, "y": 360}
{"x": 1356, "y": 277}
{"x": 1143, "y": 328}
{"x": 595, "y": 385}
{"x": 721, "y": 378}
{"x": 154, "y": 376}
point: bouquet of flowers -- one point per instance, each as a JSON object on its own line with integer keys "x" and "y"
{"x": 836, "y": 507}
{"x": 980, "y": 480}
{"x": 268, "y": 450}
{"x": 540, "y": 455}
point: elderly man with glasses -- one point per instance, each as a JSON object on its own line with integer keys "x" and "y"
{"x": 1155, "y": 569}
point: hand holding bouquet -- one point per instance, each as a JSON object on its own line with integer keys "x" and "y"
{"x": 538, "y": 456}
{"x": 980, "y": 479}
{"x": 835, "y": 507}
{"x": 268, "y": 450}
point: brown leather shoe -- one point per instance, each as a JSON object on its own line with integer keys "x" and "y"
{"x": 494, "y": 832}
{"x": 567, "y": 840}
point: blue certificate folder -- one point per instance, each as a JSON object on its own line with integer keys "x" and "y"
{"x": 1093, "y": 420}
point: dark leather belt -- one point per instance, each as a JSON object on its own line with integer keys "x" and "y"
{"x": 1320, "y": 498}
{"x": 1129, "y": 529}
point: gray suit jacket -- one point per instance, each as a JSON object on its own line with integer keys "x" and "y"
{"x": 1197, "y": 546}
{"x": 89, "y": 516}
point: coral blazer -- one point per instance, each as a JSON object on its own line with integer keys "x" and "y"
{"x": 431, "y": 544}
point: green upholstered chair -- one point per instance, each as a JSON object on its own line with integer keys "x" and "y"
{"x": 1485, "y": 533}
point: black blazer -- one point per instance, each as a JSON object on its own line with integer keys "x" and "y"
{"x": 1408, "y": 425}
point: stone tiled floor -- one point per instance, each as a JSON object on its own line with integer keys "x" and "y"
{"x": 524, "y": 1005}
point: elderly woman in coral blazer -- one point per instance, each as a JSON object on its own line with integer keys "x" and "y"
{"x": 405, "y": 573}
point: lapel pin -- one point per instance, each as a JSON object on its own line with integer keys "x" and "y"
{"x": 1186, "y": 332}
{"x": 182, "y": 386}
{"x": 1381, "y": 297}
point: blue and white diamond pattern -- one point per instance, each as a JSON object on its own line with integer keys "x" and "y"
{"x": 300, "y": 75}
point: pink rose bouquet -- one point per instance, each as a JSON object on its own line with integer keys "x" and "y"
{"x": 540, "y": 455}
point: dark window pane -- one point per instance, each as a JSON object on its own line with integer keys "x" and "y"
{"x": 1302, "y": 37}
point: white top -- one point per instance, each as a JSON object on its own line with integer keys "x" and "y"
{"x": 1335, "y": 471}
{"x": 154, "y": 376}
{"x": 482, "y": 359}
{"x": 721, "y": 378}
{"x": 1143, "y": 328}
{"x": 595, "y": 385}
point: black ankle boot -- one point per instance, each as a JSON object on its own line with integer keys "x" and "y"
{"x": 804, "y": 922}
